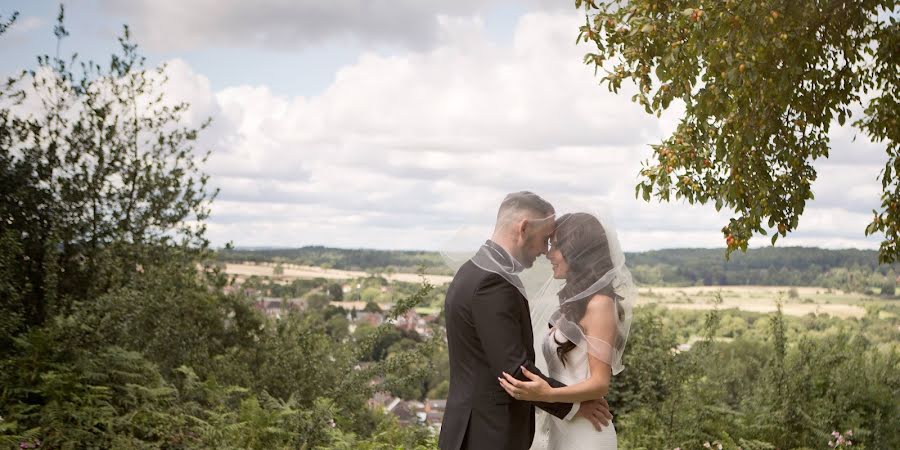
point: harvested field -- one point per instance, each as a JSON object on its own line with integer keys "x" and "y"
{"x": 761, "y": 299}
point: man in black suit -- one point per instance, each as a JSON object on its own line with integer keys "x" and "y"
{"x": 489, "y": 332}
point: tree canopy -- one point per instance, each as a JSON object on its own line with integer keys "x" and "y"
{"x": 98, "y": 178}
{"x": 116, "y": 330}
{"x": 762, "y": 83}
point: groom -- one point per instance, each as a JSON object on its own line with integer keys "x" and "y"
{"x": 489, "y": 332}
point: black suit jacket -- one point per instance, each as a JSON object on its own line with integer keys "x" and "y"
{"x": 488, "y": 332}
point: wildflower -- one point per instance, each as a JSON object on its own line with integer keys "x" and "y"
{"x": 831, "y": 443}
{"x": 835, "y": 434}
{"x": 849, "y": 433}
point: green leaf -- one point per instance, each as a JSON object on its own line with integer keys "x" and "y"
{"x": 871, "y": 228}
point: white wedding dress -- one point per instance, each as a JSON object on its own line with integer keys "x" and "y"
{"x": 578, "y": 433}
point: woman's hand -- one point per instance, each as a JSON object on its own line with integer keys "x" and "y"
{"x": 536, "y": 390}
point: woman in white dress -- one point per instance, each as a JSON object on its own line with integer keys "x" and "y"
{"x": 588, "y": 309}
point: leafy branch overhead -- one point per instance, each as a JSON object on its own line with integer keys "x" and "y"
{"x": 762, "y": 82}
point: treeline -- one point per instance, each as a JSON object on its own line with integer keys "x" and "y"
{"x": 851, "y": 269}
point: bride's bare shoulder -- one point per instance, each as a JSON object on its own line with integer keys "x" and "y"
{"x": 600, "y": 307}
{"x": 600, "y": 303}
{"x": 599, "y": 316}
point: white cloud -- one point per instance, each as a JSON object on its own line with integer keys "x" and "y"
{"x": 19, "y": 35}
{"x": 400, "y": 151}
{"x": 186, "y": 86}
{"x": 25, "y": 25}
{"x": 294, "y": 24}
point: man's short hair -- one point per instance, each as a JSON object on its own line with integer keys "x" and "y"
{"x": 524, "y": 201}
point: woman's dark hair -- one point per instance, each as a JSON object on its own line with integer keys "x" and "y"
{"x": 582, "y": 241}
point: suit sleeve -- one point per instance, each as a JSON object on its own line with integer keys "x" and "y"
{"x": 496, "y": 312}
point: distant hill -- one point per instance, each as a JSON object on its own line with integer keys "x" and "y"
{"x": 784, "y": 266}
{"x": 855, "y": 270}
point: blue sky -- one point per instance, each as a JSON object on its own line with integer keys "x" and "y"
{"x": 94, "y": 28}
{"x": 358, "y": 123}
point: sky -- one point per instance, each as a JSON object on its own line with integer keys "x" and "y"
{"x": 396, "y": 124}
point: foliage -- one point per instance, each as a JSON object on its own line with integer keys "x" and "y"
{"x": 785, "y": 388}
{"x": 761, "y": 83}
{"x": 98, "y": 179}
{"x": 166, "y": 361}
{"x": 111, "y": 336}
{"x": 336, "y": 292}
{"x": 889, "y": 285}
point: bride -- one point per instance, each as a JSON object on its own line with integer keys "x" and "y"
{"x": 587, "y": 307}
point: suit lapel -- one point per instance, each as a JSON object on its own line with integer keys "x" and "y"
{"x": 527, "y": 333}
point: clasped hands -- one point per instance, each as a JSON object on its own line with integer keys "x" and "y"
{"x": 538, "y": 390}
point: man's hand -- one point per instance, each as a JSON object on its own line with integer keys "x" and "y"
{"x": 597, "y": 412}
